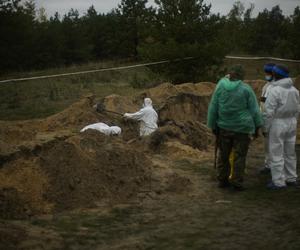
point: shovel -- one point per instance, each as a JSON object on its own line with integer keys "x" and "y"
{"x": 100, "y": 108}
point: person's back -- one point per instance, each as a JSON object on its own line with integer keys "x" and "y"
{"x": 288, "y": 95}
{"x": 233, "y": 115}
{"x": 236, "y": 107}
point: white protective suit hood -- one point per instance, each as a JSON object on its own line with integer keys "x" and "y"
{"x": 284, "y": 83}
{"x": 147, "y": 102}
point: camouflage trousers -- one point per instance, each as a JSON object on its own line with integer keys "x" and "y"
{"x": 238, "y": 143}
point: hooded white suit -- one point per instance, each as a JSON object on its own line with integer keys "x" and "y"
{"x": 147, "y": 116}
{"x": 280, "y": 122}
{"x": 103, "y": 128}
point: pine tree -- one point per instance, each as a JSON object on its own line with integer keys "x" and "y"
{"x": 134, "y": 14}
{"x": 183, "y": 29}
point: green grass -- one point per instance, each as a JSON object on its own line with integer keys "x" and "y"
{"x": 41, "y": 98}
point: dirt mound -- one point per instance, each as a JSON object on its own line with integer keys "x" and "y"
{"x": 46, "y": 165}
{"x": 11, "y": 235}
{"x": 194, "y": 134}
{"x": 257, "y": 86}
{"x": 121, "y": 104}
{"x": 164, "y": 91}
{"x": 76, "y": 116}
{"x": 13, "y": 134}
{"x": 180, "y": 151}
{"x": 12, "y": 206}
{"x": 74, "y": 173}
{"x": 94, "y": 167}
{"x": 184, "y": 107}
{"x": 201, "y": 88}
{"x": 160, "y": 93}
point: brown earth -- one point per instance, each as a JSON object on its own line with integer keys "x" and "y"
{"x": 47, "y": 166}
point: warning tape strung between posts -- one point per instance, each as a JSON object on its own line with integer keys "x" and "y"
{"x": 94, "y": 71}
{"x": 262, "y": 58}
{"x": 139, "y": 65}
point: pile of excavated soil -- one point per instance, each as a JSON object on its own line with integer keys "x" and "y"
{"x": 76, "y": 116}
{"x": 257, "y": 86}
{"x": 184, "y": 107}
{"x": 191, "y": 133}
{"x": 162, "y": 92}
{"x": 73, "y": 173}
{"x": 121, "y": 104}
{"x": 47, "y": 166}
{"x": 94, "y": 167}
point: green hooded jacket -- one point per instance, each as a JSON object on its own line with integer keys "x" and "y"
{"x": 234, "y": 107}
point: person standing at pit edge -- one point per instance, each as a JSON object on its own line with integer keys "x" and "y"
{"x": 268, "y": 69}
{"x": 147, "y": 117}
{"x": 233, "y": 116}
{"x": 280, "y": 124}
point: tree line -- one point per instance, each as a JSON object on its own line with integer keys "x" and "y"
{"x": 172, "y": 29}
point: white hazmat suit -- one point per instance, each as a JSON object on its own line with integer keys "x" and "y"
{"x": 280, "y": 117}
{"x": 103, "y": 128}
{"x": 147, "y": 116}
{"x": 264, "y": 96}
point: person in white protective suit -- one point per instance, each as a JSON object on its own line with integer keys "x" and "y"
{"x": 280, "y": 123}
{"x": 103, "y": 128}
{"x": 147, "y": 116}
{"x": 268, "y": 70}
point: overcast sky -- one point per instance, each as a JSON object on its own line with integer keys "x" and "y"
{"x": 103, "y": 6}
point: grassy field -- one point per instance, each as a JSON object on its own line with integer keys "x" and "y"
{"x": 41, "y": 98}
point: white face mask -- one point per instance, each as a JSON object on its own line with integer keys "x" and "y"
{"x": 268, "y": 78}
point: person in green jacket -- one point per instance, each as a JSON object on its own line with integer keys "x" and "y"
{"x": 233, "y": 116}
